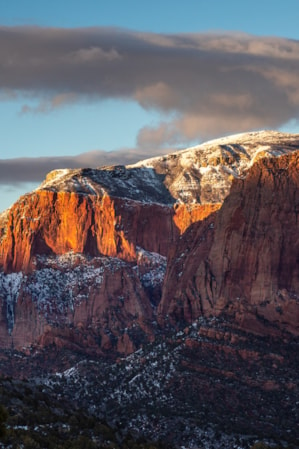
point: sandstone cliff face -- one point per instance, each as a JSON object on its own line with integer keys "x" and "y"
{"x": 46, "y": 222}
{"x": 119, "y": 223}
{"x": 243, "y": 261}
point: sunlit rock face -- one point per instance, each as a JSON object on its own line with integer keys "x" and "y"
{"x": 83, "y": 257}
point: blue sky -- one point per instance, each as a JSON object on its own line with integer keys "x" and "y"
{"x": 263, "y": 17}
{"x": 70, "y": 119}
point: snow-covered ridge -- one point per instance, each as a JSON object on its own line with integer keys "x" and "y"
{"x": 204, "y": 173}
{"x": 200, "y": 174}
{"x": 140, "y": 184}
{"x": 253, "y": 142}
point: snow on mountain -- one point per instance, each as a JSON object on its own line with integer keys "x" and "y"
{"x": 204, "y": 173}
{"x": 61, "y": 283}
{"x": 139, "y": 184}
{"x": 200, "y": 174}
{"x": 96, "y": 217}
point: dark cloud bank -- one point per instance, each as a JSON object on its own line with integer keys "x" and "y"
{"x": 25, "y": 170}
{"x": 206, "y": 85}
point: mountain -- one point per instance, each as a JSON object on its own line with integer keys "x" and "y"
{"x": 83, "y": 257}
{"x": 160, "y": 299}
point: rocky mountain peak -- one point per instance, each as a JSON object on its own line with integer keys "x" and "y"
{"x": 201, "y": 174}
{"x": 204, "y": 173}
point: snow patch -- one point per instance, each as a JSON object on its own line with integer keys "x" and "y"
{"x": 10, "y": 285}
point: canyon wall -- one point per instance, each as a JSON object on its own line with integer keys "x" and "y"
{"x": 242, "y": 261}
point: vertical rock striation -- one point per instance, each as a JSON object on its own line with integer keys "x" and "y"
{"x": 243, "y": 261}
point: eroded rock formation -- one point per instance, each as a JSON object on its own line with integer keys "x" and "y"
{"x": 51, "y": 223}
{"x": 243, "y": 260}
{"x": 84, "y": 256}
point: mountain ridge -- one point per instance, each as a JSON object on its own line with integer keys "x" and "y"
{"x": 104, "y": 213}
{"x": 161, "y": 178}
{"x": 170, "y": 314}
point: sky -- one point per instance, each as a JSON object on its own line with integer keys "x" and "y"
{"x": 91, "y": 83}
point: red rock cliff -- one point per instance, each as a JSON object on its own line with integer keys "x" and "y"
{"x": 46, "y": 222}
{"x": 243, "y": 261}
{"x": 50, "y": 224}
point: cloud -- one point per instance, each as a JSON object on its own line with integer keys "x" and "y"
{"x": 191, "y": 127}
{"x": 92, "y": 55}
{"x": 49, "y": 104}
{"x": 17, "y": 171}
{"x": 204, "y": 85}
{"x": 158, "y": 94}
